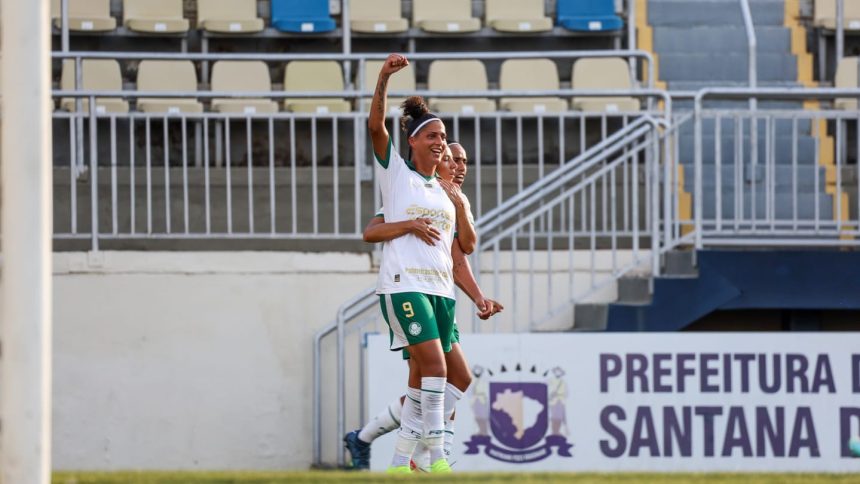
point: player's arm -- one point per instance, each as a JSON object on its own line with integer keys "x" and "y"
{"x": 376, "y": 122}
{"x": 378, "y": 230}
{"x": 466, "y": 235}
{"x": 465, "y": 280}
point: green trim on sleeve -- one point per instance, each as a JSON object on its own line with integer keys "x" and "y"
{"x": 384, "y": 163}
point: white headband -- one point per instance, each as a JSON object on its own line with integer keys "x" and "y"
{"x": 453, "y": 144}
{"x": 430, "y": 120}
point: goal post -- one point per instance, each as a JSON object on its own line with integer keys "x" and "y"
{"x": 25, "y": 208}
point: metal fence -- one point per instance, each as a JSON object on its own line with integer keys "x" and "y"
{"x": 773, "y": 177}
{"x": 283, "y": 175}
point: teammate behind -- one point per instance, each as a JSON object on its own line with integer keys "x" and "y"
{"x": 452, "y": 173}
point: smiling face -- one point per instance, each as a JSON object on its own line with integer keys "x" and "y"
{"x": 428, "y": 145}
{"x": 458, "y": 163}
{"x": 445, "y": 168}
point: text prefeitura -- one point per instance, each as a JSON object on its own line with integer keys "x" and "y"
{"x": 721, "y": 372}
{"x": 694, "y": 428}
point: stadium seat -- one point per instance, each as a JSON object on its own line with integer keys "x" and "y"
{"x": 228, "y": 16}
{"x": 98, "y": 74}
{"x": 517, "y": 16}
{"x": 85, "y": 15}
{"x": 376, "y": 16}
{"x": 314, "y": 76}
{"x": 404, "y": 80}
{"x": 459, "y": 75}
{"x": 847, "y": 77}
{"x": 155, "y": 75}
{"x": 306, "y": 16}
{"x": 825, "y": 14}
{"x": 444, "y": 16}
{"x": 605, "y": 73}
{"x": 530, "y": 74}
{"x": 154, "y": 16}
{"x": 242, "y": 76}
{"x": 588, "y": 15}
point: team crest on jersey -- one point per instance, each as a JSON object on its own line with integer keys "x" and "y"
{"x": 414, "y": 328}
{"x": 520, "y": 415}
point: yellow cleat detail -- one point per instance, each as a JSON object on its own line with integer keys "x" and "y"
{"x": 440, "y": 467}
{"x": 399, "y": 470}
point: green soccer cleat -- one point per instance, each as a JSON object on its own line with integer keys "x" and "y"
{"x": 440, "y": 467}
{"x": 399, "y": 470}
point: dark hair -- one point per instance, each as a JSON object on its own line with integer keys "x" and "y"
{"x": 415, "y": 112}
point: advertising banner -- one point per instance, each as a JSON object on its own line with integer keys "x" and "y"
{"x": 695, "y": 402}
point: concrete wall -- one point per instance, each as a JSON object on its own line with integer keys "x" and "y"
{"x": 191, "y": 360}
{"x": 202, "y": 360}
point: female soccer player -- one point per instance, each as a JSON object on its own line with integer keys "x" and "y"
{"x": 452, "y": 172}
{"x": 415, "y": 281}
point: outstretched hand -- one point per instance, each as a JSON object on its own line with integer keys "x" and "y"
{"x": 394, "y": 63}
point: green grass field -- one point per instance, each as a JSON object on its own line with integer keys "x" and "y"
{"x": 364, "y": 477}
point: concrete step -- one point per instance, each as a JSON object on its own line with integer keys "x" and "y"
{"x": 719, "y": 67}
{"x": 783, "y": 127}
{"x": 784, "y": 178}
{"x": 680, "y": 263}
{"x": 688, "y": 13}
{"x": 634, "y": 290}
{"x": 719, "y": 38}
{"x": 784, "y": 206}
{"x": 688, "y": 105}
{"x": 806, "y": 149}
{"x": 590, "y": 317}
{"x": 732, "y": 104}
{"x": 697, "y": 85}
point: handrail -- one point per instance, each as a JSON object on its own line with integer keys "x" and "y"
{"x": 500, "y": 213}
{"x": 64, "y": 25}
{"x": 840, "y": 29}
{"x": 631, "y": 35}
{"x": 752, "y": 45}
{"x": 574, "y": 54}
{"x": 742, "y": 93}
{"x": 495, "y": 93}
{"x": 363, "y": 301}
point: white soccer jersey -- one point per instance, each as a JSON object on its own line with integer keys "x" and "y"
{"x": 408, "y": 263}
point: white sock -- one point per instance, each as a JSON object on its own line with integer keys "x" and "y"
{"x": 452, "y": 396}
{"x": 433, "y": 415}
{"x": 421, "y": 457}
{"x": 386, "y": 421}
{"x": 449, "y": 438}
{"x": 410, "y": 428}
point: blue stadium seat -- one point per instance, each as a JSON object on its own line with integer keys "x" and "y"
{"x": 588, "y": 15}
{"x": 302, "y": 16}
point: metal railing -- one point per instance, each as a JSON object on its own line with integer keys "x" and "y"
{"x": 175, "y": 176}
{"x": 776, "y": 187}
{"x": 839, "y": 41}
{"x": 623, "y": 170}
{"x": 752, "y": 47}
{"x": 360, "y": 59}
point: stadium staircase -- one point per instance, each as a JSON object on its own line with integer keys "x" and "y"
{"x": 695, "y": 284}
{"x": 703, "y": 43}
